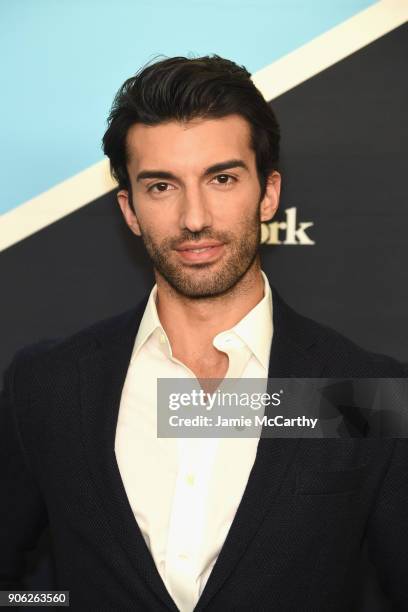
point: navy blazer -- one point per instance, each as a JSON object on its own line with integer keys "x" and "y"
{"x": 307, "y": 510}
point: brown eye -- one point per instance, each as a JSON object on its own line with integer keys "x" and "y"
{"x": 161, "y": 186}
{"x": 224, "y": 179}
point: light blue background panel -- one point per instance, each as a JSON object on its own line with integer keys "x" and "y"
{"x": 62, "y": 62}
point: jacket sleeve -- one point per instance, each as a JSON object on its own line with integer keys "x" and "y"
{"x": 388, "y": 528}
{"x": 23, "y": 514}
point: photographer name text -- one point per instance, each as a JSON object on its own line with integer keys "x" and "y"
{"x": 241, "y": 421}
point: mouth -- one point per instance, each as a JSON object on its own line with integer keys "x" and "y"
{"x": 205, "y": 251}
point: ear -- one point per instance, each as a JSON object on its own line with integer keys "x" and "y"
{"x": 270, "y": 201}
{"x": 127, "y": 211}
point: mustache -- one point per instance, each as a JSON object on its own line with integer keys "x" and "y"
{"x": 189, "y": 236}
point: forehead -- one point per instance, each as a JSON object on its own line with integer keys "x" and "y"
{"x": 197, "y": 144}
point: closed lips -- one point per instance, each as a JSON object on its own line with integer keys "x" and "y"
{"x": 200, "y": 247}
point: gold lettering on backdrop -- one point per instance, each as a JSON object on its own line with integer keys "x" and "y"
{"x": 290, "y": 232}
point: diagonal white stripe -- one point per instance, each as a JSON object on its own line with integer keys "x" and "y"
{"x": 330, "y": 47}
{"x": 55, "y": 203}
{"x": 273, "y": 80}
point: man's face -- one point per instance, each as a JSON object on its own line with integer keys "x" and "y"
{"x": 196, "y": 195}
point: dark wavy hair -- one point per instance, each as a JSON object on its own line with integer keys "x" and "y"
{"x": 181, "y": 88}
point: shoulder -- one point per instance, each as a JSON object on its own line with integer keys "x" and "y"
{"x": 357, "y": 361}
{"x": 339, "y": 355}
{"x": 50, "y": 357}
{"x": 346, "y": 358}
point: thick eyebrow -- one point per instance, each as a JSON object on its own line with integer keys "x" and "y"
{"x": 226, "y": 165}
{"x": 154, "y": 174}
{"x": 220, "y": 167}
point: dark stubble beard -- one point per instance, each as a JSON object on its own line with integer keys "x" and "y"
{"x": 207, "y": 280}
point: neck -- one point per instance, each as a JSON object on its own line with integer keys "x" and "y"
{"x": 201, "y": 319}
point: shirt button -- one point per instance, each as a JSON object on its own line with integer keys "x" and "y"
{"x": 162, "y": 339}
{"x": 190, "y": 479}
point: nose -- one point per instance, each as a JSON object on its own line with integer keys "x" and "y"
{"x": 195, "y": 212}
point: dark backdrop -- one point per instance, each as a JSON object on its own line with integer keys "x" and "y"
{"x": 344, "y": 172}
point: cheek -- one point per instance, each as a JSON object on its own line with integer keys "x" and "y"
{"x": 241, "y": 209}
{"x": 159, "y": 229}
{"x": 153, "y": 207}
{"x": 239, "y": 206}
{"x": 153, "y": 219}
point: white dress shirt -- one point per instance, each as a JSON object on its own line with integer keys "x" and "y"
{"x": 184, "y": 492}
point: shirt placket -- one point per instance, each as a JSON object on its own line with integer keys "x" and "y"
{"x": 187, "y": 521}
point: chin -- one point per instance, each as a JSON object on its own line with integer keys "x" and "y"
{"x": 201, "y": 288}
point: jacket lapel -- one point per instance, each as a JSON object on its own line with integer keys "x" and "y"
{"x": 291, "y": 355}
{"x": 102, "y": 376}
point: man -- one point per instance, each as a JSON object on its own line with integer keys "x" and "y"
{"x": 146, "y": 523}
